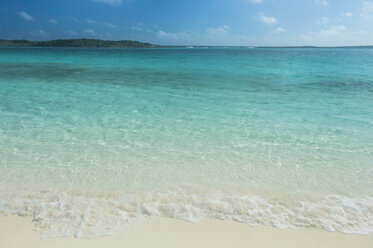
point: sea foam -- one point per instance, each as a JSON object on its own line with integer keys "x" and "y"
{"x": 83, "y": 214}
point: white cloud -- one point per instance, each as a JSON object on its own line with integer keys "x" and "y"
{"x": 220, "y": 36}
{"x": 164, "y": 35}
{"x": 256, "y": 1}
{"x": 110, "y": 25}
{"x": 269, "y": 20}
{"x": 323, "y": 20}
{"x": 337, "y": 36}
{"x": 223, "y": 30}
{"x": 179, "y": 36}
{"x": 110, "y": 2}
{"x": 279, "y": 30}
{"x": 89, "y": 31}
{"x": 53, "y": 21}
{"x": 90, "y": 21}
{"x": 26, "y": 16}
{"x": 322, "y": 2}
{"x": 39, "y": 32}
{"x": 136, "y": 28}
{"x": 348, "y": 14}
{"x": 367, "y": 10}
{"x": 211, "y": 36}
{"x": 332, "y": 31}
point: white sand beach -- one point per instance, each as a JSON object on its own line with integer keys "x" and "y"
{"x": 16, "y": 232}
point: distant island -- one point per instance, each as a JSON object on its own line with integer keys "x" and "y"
{"x": 77, "y": 43}
{"x": 96, "y": 43}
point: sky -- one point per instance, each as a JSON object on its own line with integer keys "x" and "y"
{"x": 193, "y": 22}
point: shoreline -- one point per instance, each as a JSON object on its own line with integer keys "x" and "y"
{"x": 16, "y": 231}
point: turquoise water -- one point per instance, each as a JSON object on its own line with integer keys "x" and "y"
{"x": 93, "y": 140}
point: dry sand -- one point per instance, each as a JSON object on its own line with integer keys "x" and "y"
{"x": 163, "y": 233}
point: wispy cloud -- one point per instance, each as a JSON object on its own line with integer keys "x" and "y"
{"x": 211, "y": 35}
{"x": 93, "y": 22}
{"x": 165, "y": 35}
{"x": 348, "y": 14}
{"x": 136, "y": 28}
{"x": 323, "y": 20}
{"x": 52, "y": 21}
{"x": 110, "y": 25}
{"x": 268, "y": 20}
{"x": 256, "y": 1}
{"x": 71, "y": 18}
{"x": 39, "y": 32}
{"x": 25, "y": 16}
{"x": 367, "y": 10}
{"x": 322, "y": 2}
{"x": 279, "y": 30}
{"x": 110, "y": 2}
{"x": 90, "y": 21}
{"x": 179, "y": 36}
{"x": 223, "y": 30}
{"x": 332, "y": 31}
{"x": 89, "y": 31}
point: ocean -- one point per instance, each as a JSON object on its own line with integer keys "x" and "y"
{"x": 95, "y": 140}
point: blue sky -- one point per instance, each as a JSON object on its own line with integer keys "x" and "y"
{"x": 193, "y": 22}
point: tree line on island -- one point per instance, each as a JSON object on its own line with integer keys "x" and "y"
{"x": 76, "y": 43}
{"x": 96, "y": 43}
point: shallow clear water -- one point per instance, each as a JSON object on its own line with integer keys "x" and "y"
{"x": 92, "y": 140}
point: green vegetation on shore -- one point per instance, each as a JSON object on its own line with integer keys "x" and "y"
{"x": 96, "y": 43}
{"x": 76, "y": 43}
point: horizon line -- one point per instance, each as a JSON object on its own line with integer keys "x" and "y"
{"x": 189, "y": 45}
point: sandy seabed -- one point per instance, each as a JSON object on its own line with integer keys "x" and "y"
{"x": 162, "y": 232}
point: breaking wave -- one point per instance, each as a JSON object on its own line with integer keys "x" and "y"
{"x": 84, "y": 214}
